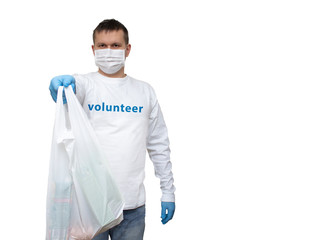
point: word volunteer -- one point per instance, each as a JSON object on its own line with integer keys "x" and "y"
{"x": 115, "y": 108}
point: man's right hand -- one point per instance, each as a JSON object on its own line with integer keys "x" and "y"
{"x": 62, "y": 80}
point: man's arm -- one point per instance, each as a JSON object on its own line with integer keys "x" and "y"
{"x": 159, "y": 153}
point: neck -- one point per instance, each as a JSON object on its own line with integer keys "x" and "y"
{"x": 119, "y": 74}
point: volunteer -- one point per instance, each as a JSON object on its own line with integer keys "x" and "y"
{"x": 127, "y": 119}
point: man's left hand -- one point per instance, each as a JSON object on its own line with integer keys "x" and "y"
{"x": 168, "y": 209}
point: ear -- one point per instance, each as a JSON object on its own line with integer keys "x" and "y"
{"x": 93, "y": 49}
{"x": 128, "y": 49}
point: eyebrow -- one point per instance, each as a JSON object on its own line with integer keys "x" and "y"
{"x": 117, "y": 43}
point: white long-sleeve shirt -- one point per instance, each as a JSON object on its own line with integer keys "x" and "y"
{"x": 127, "y": 119}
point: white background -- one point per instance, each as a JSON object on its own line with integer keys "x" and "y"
{"x": 243, "y": 88}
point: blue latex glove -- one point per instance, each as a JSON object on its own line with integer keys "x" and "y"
{"x": 168, "y": 209}
{"x": 62, "y": 80}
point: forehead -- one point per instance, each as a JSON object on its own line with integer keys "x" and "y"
{"x": 109, "y": 36}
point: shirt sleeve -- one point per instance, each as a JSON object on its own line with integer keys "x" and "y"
{"x": 80, "y": 87}
{"x": 159, "y": 152}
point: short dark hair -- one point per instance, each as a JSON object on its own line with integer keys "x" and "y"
{"x": 111, "y": 25}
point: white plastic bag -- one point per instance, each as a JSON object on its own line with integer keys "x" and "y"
{"x": 83, "y": 199}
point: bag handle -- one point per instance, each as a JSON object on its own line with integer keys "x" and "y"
{"x": 60, "y": 95}
{"x": 77, "y": 115}
{"x": 62, "y": 123}
{"x": 60, "y": 118}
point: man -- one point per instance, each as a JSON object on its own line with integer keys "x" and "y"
{"x": 128, "y": 121}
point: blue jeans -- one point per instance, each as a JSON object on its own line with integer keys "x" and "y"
{"x": 131, "y": 228}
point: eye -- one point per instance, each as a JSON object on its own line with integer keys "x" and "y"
{"x": 101, "y": 45}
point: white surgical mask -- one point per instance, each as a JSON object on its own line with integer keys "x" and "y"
{"x": 110, "y": 61}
